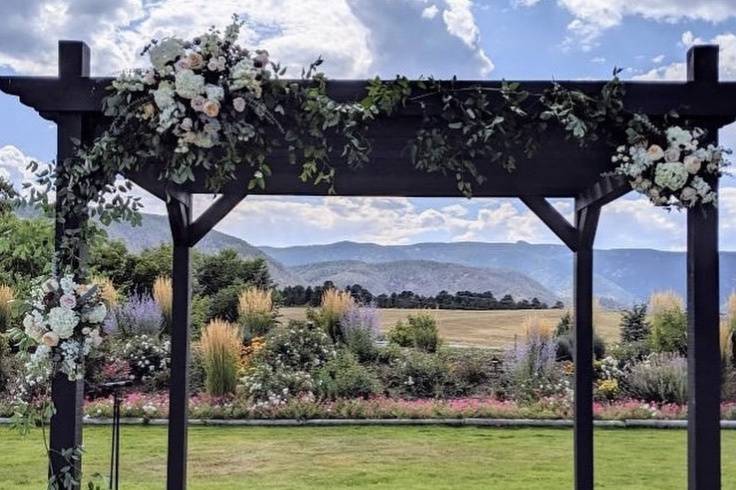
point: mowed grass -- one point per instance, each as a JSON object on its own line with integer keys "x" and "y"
{"x": 404, "y": 458}
{"x": 484, "y": 328}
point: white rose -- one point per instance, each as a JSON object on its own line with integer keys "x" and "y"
{"x": 32, "y": 328}
{"x": 672, "y": 155}
{"x": 678, "y": 137}
{"x": 188, "y": 84}
{"x": 692, "y": 164}
{"x": 196, "y": 61}
{"x": 239, "y": 104}
{"x": 198, "y": 103}
{"x": 655, "y": 152}
{"x": 688, "y": 194}
{"x": 68, "y": 301}
{"x": 50, "y": 339}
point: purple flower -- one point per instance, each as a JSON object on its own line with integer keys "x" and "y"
{"x": 139, "y": 315}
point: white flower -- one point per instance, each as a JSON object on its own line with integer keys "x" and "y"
{"x": 692, "y": 164}
{"x": 672, "y": 155}
{"x": 701, "y": 186}
{"x": 655, "y": 152}
{"x": 239, "y": 104}
{"x": 164, "y": 51}
{"x": 50, "y": 285}
{"x": 182, "y": 64}
{"x": 149, "y": 77}
{"x": 679, "y": 137}
{"x": 164, "y": 95}
{"x": 96, "y": 314}
{"x": 214, "y": 92}
{"x": 50, "y": 339}
{"x": 217, "y": 64}
{"x": 189, "y": 84}
{"x": 689, "y": 194}
{"x": 197, "y": 103}
{"x": 62, "y": 321}
{"x": 32, "y": 328}
{"x": 68, "y": 300}
{"x": 196, "y": 61}
{"x": 186, "y": 123}
{"x": 672, "y": 175}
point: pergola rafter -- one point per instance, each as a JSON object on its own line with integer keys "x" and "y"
{"x": 562, "y": 170}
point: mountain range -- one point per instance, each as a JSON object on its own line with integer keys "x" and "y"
{"x": 525, "y": 270}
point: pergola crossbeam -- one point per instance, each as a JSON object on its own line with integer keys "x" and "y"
{"x": 554, "y": 220}
{"x": 216, "y": 211}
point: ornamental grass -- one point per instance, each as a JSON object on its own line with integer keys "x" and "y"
{"x": 662, "y": 302}
{"x": 669, "y": 322}
{"x": 7, "y": 296}
{"x": 220, "y": 346}
{"x": 334, "y": 305}
{"x": 731, "y": 311}
{"x": 255, "y": 312}
{"x": 725, "y": 334}
{"x": 163, "y": 294}
{"x": 108, "y": 292}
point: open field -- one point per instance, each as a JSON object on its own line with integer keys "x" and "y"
{"x": 484, "y": 328}
{"x": 404, "y": 458}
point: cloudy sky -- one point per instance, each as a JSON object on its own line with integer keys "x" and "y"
{"x": 493, "y": 39}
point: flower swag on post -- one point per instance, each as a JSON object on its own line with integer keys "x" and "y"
{"x": 677, "y": 173}
{"x": 62, "y": 327}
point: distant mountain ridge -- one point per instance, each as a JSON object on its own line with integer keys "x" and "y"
{"x": 623, "y": 275}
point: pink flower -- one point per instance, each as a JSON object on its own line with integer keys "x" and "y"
{"x": 68, "y": 301}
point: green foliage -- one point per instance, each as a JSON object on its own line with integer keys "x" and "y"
{"x": 566, "y": 347}
{"x": 419, "y": 331}
{"x": 669, "y": 331}
{"x": 26, "y": 249}
{"x": 298, "y": 346}
{"x": 564, "y": 326}
{"x": 9, "y": 363}
{"x": 661, "y": 378}
{"x": 150, "y": 264}
{"x": 345, "y": 377}
{"x": 201, "y": 307}
{"x": 226, "y": 268}
{"x": 471, "y": 371}
{"x": 634, "y": 325}
{"x": 224, "y": 303}
{"x": 414, "y": 373}
{"x": 111, "y": 258}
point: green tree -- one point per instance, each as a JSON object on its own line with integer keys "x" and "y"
{"x": 227, "y": 268}
{"x": 26, "y": 248}
{"x": 634, "y": 325}
{"x": 148, "y": 265}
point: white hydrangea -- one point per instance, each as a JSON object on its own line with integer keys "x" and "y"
{"x": 165, "y": 51}
{"x": 678, "y": 137}
{"x": 671, "y": 175}
{"x": 214, "y": 92}
{"x": 163, "y": 96}
{"x": 189, "y": 84}
{"x": 243, "y": 76}
{"x": 62, "y": 321}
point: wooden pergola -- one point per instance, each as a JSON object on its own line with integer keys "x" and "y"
{"x": 562, "y": 170}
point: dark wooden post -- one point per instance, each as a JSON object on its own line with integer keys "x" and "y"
{"x": 180, "y": 217}
{"x": 703, "y": 312}
{"x": 67, "y": 396}
{"x": 586, "y": 222}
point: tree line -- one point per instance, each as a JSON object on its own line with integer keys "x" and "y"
{"x": 461, "y": 300}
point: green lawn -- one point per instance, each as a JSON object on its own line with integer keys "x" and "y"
{"x": 375, "y": 457}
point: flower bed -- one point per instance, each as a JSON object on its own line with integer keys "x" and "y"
{"x": 150, "y": 406}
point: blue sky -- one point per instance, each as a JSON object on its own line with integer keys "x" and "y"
{"x": 513, "y": 39}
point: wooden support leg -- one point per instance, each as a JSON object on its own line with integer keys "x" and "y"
{"x": 703, "y": 364}
{"x": 180, "y": 217}
{"x": 586, "y": 221}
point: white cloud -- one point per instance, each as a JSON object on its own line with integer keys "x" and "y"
{"x": 347, "y": 33}
{"x": 593, "y": 17}
{"x": 678, "y": 71}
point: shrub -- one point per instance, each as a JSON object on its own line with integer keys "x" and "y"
{"x": 201, "y": 306}
{"x": 419, "y": 332}
{"x": 360, "y": 329}
{"x": 7, "y": 297}
{"x": 139, "y": 315}
{"x": 149, "y": 358}
{"x": 565, "y": 335}
{"x": 472, "y": 371}
{"x": 256, "y": 312}
{"x": 634, "y": 325}
{"x": 224, "y": 303}
{"x": 345, "y": 377}
{"x": 415, "y": 374}
{"x": 163, "y": 294}
{"x": 669, "y": 323}
{"x": 529, "y": 367}
{"x": 9, "y": 364}
{"x": 661, "y": 378}
{"x": 299, "y": 346}
{"x": 220, "y": 346}
{"x": 266, "y": 384}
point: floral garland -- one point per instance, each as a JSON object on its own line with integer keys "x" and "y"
{"x": 62, "y": 327}
{"x": 679, "y": 175}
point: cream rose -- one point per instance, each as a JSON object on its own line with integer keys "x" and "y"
{"x": 196, "y": 61}
{"x": 50, "y": 339}
{"x": 211, "y": 108}
{"x": 655, "y": 152}
{"x": 239, "y": 104}
{"x": 692, "y": 164}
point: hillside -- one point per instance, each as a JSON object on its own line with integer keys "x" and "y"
{"x": 623, "y": 275}
{"x": 424, "y": 277}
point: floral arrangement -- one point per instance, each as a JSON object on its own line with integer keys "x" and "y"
{"x": 677, "y": 174}
{"x": 63, "y": 326}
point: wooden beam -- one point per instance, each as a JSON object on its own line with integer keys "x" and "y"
{"x": 179, "y": 208}
{"x": 703, "y": 312}
{"x": 602, "y": 192}
{"x": 586, "y": 222}
{"x": 553, "y": 219}
{"x": 176, "y": 469}
{"x": 213, "y": 215}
